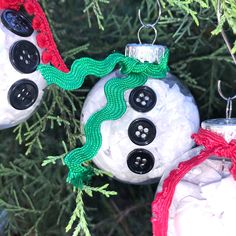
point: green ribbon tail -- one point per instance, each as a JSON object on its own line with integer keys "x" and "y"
{"x": 79, "y": 70}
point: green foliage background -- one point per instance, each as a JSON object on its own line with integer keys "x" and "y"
{"x": 37, "y": 198}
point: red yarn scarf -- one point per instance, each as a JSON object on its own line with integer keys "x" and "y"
{"x": 40, "y": 24}
{"x": 214, "y": 145}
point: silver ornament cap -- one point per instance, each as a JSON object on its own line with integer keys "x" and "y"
{"x": 145, "y": 52}
{"x": 224, "y": 127}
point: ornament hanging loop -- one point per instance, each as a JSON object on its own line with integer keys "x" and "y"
{"x": 229, "y": 108}
{"x": 149, "y": 25}
{"x": 144, "y": 27}
{"x": 229, "y": 100}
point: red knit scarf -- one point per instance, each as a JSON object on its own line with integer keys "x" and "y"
{"x": 40, "y": 24}
{"x": 214, "y": 145}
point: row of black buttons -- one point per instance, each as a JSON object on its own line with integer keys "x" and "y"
{"x": 141, "y": 131}
{"x": 24, "y": 57}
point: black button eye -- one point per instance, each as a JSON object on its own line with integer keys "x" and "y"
{"x": 24, "y": 56}
{"x": 17, "y": 23}
{"x": 140, "y": 161}
{"x": 23, "y": 94}
{"x": 142, "y": 131}
{"x": 142, "y": 99}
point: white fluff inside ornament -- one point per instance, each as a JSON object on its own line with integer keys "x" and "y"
{"x": 204, "y": 202}
{"x": 204, "y": 199}
{"x": 21, "y": 86}
{"x": 139, "y": 146}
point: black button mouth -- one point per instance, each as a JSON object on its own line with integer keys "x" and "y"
{"x": 23, "y": 94}
{"x": 140, "y": 161}
{"x": 24, "y": 56}
{"x": 142, "y": 99}
{"x": 17, "y": 23}
{"x": 142, "y": 131}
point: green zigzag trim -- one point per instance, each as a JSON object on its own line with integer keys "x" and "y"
{"x": 79, "y": 70}
{"x": 137, "y": 75}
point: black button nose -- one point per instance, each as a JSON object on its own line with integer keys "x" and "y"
{"x": 142, "y": 99}
{"x": 24, "y": 56}
{"x": 140, "y": 161}
{"x": 142, "y": 131}
{"x": 23, "y": 94}
{"x": 17, "y": 23}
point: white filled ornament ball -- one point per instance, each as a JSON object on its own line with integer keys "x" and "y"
{"x": 204, "y": 200}
{"x": 21, "y": 86}
{"x": 160, "y": 118}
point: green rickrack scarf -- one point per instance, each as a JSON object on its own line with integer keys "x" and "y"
{"x": 136, "y": 74}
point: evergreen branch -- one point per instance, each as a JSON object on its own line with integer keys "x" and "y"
{"x": 186, "y": 6}
{"x": 94, "y": 5}
{"x": 205, "y": 62}
{"x": 51, "y": 23}
{"x": 60, "y": 121}
{"x": 102, "y": 190}
{"x": 16, "y": 208}
{"x": 234, "y": 48}
{"x": 226, "y": 13}
{"x": 32, "y": 134}
{"x": 73, "y": 52}
{"x": 101, "y": 173}
{"x": 53, "y": 160}
{"x": 79, "y": 213}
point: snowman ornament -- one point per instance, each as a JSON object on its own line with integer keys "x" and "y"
{"x": 22, "y": 50}
{"x": 197, "y": 192}
{"x": 21, "y": 86}
{"x": 135, "y": 120}
{"x": 161, "y": 115}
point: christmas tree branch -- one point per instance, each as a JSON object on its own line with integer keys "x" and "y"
{"x": 36, "y": 198}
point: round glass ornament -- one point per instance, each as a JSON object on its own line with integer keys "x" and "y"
{"x": 161, "y": 116}
{"x": 203, "y": 202}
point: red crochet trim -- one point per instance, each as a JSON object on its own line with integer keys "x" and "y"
{"x": 214, "y": 145}
{"x": 40, "y": 24}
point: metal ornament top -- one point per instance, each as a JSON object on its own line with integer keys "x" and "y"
{"x": 221, "y": 126}
{"x": 145, "y": 52}
{"x": 229, "y": 100}
{"x": 149, "y": 25}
